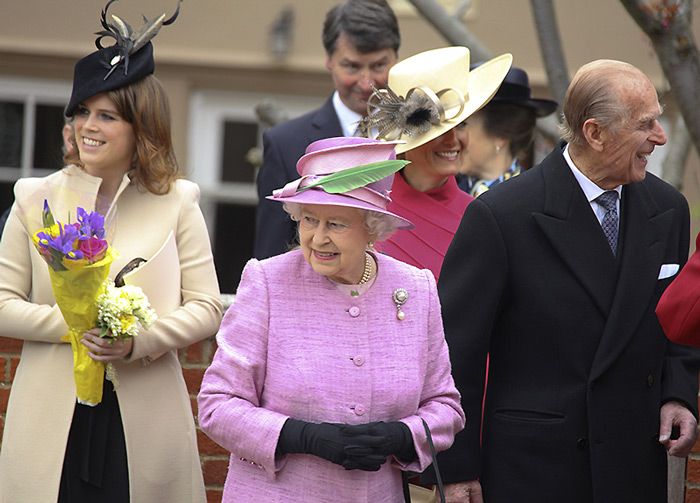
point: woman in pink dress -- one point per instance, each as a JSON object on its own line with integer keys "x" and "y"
{"x": 333, "y": 356}
{"x": 429, "y": 97}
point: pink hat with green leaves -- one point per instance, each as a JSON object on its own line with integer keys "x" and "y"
{"x": 346, "y": 171}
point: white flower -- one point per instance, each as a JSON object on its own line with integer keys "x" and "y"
{"x": 123, "y": 311}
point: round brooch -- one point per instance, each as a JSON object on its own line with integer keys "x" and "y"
{"x": 400, "y": 297}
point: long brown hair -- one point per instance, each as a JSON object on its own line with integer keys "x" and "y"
{"x": 144, "y": 105}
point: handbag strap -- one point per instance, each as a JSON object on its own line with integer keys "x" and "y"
{"x": 438, "y": 478}
{"x": 433, "y": 454}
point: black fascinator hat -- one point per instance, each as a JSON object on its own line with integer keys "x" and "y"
{"x": 515, "y": 90}
{"x": 129, "y": 60}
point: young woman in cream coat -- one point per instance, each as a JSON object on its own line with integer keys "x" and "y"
{"x": 139, "y": 444}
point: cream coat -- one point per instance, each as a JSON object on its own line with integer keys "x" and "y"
{"x": 158, "y": 426}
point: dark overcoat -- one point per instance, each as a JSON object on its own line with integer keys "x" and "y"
{"x": 579, "y": 366}
{"x": 283, "y": 145}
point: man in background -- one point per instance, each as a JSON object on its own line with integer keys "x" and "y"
{"x": 361, "y": 39}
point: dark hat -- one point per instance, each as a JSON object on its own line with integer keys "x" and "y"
{"x": 515, "y": 90}
{"x": 94, "y": 74}
{"x": 130, "y": 59}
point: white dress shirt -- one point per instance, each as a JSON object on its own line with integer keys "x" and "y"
{"x": 348, "y": 118}
{"x": 590, "y": 189}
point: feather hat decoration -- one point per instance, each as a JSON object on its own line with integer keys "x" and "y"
{"x": 127, "y": 40}
{"x": 394, "y": 116}
{"x": 132, "y": 50}
{"x": 354, "y": 178}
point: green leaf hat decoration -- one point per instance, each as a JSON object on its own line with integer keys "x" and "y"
{"x": 359, "y": 176}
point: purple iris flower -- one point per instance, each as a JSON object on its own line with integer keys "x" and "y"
{"x": 63, "y": 243}
{"x": 90, "y": 224}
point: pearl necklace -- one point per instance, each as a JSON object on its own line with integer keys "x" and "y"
{"x": 367, "y": 273}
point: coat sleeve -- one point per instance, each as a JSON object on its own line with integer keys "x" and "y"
{"x": 20, "y": 318}
{"x": 679, "y": 308}
{"x": 472, "y": 283}
{"x": 680, "y": 372}
{"x": 230, "y": 410}
{"x": 200, "y": 313}
{"x": 440, "y": 401}
{"x": 274, "y": 230}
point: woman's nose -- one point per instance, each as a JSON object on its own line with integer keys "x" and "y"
{"x": 320, "y": 235}
{"x": 450, "y": 137}
{"x": 90, "y": 123}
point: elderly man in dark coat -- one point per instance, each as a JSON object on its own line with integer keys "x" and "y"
{"x": 555, "y": 274}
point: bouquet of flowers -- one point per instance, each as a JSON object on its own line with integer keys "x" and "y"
{"x": 121, "y": 312}
{"x": 79, "y": 259}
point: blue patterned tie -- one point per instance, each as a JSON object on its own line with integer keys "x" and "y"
{"x": 610, "y": 223}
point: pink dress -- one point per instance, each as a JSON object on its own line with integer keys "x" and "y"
{"x": 295, "y": 345}
{"x": 436, "y": 215}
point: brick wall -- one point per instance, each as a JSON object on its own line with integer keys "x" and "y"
{"x": 9, "y": 358}
{"x": 194, "y": 360}
{"x": 692, "y": 483}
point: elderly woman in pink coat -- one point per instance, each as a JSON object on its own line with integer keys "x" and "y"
{"x": 333, "y": 355}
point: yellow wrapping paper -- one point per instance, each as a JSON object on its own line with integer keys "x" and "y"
{"x": 76, "y": 291}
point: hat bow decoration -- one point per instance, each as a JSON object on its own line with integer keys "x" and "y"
{"x": 128, "y": 40}
{"x": 394, "y": 116}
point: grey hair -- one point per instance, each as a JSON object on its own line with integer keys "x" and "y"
{"x": 594, "y": 93}
{"x": 379, "y": 225}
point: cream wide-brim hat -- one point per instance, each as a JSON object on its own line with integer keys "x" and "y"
{"x": 447, "y": 69}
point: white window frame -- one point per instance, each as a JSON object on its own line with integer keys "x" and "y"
{"x": 30, "y": 92}
{"x": 209, "y": 110}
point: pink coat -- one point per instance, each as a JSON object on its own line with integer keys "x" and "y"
{"x": 293, "y": 345}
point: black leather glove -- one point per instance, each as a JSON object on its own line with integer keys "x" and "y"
{"x": 381, "y": 438}
{"x": 325, "y": 440}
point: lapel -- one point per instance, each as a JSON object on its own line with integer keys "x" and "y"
{"x": 573, "y": 230}
{"x": 325, "y": 122}
{"x": 644, "y": 243}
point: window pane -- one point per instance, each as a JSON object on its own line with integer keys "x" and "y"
{"x": 11, "y": 124}
{"x": 48, "y": 140}
{"x": 233, "y": 240}
{"x": 6, "y": 196}
{"x": 239, "y": 138}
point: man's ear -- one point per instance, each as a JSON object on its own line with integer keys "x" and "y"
{"x": 594, "y": 134}
{"x": 328, "y": 62}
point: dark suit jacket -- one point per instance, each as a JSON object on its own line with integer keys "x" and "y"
{"x": 3, "y": 219}
{"x": 283, "y": 145}
{"x": 579, "y": 366}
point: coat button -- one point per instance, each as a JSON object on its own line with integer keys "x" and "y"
{"x": 359, "y": 361}
{"x": 354, "y": 311}
{"x": 582, "y": 444}
{"x": 360, "y": 410}
{"x": 650, "y": 380}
